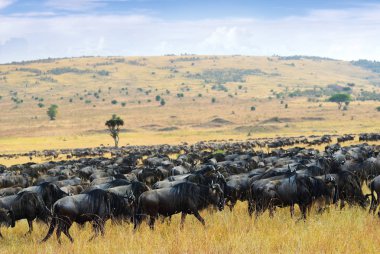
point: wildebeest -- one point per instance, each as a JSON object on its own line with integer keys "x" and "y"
{"x": 96, "y": 206}
{"x": 6, "y": 219}
{"x": 374, "y": 186}
{"x": 290, "y": 191}
{"x": 26, "y": 205}
{"x": 14, "y": 181}
{"x": 185, "y": 198}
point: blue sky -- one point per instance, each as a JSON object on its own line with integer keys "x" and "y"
{"x": 342, "y": 29}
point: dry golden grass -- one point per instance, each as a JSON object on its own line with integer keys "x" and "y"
{"x": 351, "y": 230}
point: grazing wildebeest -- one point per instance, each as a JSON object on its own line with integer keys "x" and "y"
{"x": 187, "y": 198}
{"x": 96, "y": 206}
{"x": 14, "y": 181}
{"x": 237, "y": 188}
{"x": 49, "y": 192}
{"x": 6, "y": 219}
{"x": 26, "y": 205}
{"x": 290, "y": 191}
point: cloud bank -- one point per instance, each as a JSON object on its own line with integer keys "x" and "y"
{"x": 347, "y": 34}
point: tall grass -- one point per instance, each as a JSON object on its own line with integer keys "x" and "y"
{"x": 351, "y": 230}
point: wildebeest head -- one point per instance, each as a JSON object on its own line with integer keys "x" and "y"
{"x": 55, "y": 192}
{"x": 216, "y": 196}
{"x": 7, "y": 218}
{"x": 330, "y": 181}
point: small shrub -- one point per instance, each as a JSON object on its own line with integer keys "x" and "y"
{"x": 41, "y": 105}
{"x": 114, "y": 102}
{"x": 253, "y": 108}
{"x": 123, "y": 104}
{"x": 162, "y": 102}
{"x": 213, "y": 100}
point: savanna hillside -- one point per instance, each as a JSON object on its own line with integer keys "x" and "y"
{"x": 173, "y": 99}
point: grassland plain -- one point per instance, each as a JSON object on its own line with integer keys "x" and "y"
{"x": 260, "y": 96}
{"x": 351, "y": 230}
{"x": 263, "y": 96}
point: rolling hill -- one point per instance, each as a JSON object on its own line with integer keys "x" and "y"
{"x": 187, "y": 98}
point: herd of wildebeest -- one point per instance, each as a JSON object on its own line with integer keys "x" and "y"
{"x": 155, "y": 182}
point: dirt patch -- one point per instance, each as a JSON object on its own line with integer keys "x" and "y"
{"x": 257, "y": 128}
{"x": 313, "y": 118}
{"x": 214, "y": 123}
{"x": 151, "y": 127}
{"x": 278, "y": 120}
{"x": 222, "y": 121}
{"x": 168, "y": 129}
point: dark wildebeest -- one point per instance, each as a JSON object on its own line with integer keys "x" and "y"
{"x": 187, "y": 198}
{"x": 106, "y": 186}
{"x": 96, "y": 206}
{"x": 290, "y": 191}
{"x": 374, "y": 186}
{"x": 14, "y": 181}
{"x": 6, "y": 219}
{"x": 49, "y": 192}
{"x": 26, "y": 205}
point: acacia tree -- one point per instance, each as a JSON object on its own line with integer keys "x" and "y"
{"x": 340, "y": 98}
{"x": 52, "y": 111}
{"x": 114, "y": 127}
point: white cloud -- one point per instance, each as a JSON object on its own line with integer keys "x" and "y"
{"x": 345, "y": 34}
{"x": 6, "y": 3}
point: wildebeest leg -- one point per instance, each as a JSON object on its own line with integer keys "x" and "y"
{"x": 58, "y": 232}
{"x": 30, "y": 224}
{"x": 95, "y": 226}
{"x": 271, "y": 211}
{"x": 199, "y": 217}
{"x": 183, "y": 217}
{"x": 303, "y": 209}
{"x": 101, "y": 227}
{"x": 342, "y": 204}
{"x": 1, "y": 235}
{"x": 152, "y": 220}
{"x": 66, "y": 232}
{"x": 250, "y": 208}
{"x": 292, "y": 210}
